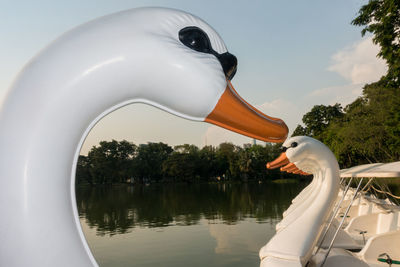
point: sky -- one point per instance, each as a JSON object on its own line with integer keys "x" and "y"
{"x": 292, "y": 55}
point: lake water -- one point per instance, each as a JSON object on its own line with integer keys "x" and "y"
{"x": 182, "y": 225}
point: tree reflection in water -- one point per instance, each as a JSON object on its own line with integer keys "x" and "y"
{"x": 117, "y": 209}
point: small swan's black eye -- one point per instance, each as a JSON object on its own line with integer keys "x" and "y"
{"x": 294, "y": 144}
{"x": 195, "y": 38}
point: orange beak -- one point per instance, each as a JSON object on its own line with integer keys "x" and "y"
{"x": 235, "y": 114}
{"x": 292, "y": 169}
{"x": 280, "y": 161}
{"x": 287, "y": 167}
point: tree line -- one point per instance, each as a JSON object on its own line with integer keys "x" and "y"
{"x": 124, "y": 162}
{"x": 368, "y": 129}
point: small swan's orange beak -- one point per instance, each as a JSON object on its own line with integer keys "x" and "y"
{"x": 235, "y": 114}
{"x": 294, "y": 168}
{"x": 287, "y": 167}
{"x": 278, "y": 162}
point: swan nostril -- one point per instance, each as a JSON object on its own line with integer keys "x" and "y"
{"x": 228, "y": 63}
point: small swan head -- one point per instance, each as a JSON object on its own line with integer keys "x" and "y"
{"x": 300, "y": 148}
{"x": 303, "y": 152}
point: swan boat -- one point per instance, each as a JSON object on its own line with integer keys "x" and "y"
{"x": 162, "y": 57}
{"x": 329, "y": 223}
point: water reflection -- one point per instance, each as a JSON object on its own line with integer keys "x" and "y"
{"x": 118, "y": 209}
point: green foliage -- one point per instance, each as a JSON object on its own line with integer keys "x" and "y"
{"x": 319, "y": 118}
{"x": 368, "y": 130}
{"x": 121, "y": 162}
{"x": 372, "y": 125}
{"x": 147, "y": 165}
{"x": 382, "y": 19}
{"x": 83, "y": 170}
{"x": 108, "y": 163}
{"x": 181, "y": 165}
{"x": 299, "y": 131}
{"x": 227, "y": 156}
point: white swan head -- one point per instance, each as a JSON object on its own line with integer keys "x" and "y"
{"x": 163, "y": 57}
{"x": 194, "y": 68}
{"x": 302, "y": 155}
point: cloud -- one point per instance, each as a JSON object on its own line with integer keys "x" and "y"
{"x": 344, "y": 94}
{"x": 358, "y": 63}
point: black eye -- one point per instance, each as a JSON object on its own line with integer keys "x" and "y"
{"x": 294, "y": 144}
{"x": 195, "y": 38}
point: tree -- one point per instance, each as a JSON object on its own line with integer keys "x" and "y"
{"x": 370, "y": 129}
{"x": 299, "y": 131}
{"x": 366, "y": 131}
{"x": 226, "y": 156}
{"x": 318, "y": 119}
{"x": 83, "y": 171}
{"x": 252, "y": 160}
{"x": 208, "y": 167}
{"x": 111, "y": 162}
{"x": 186, "y": 149}
{"x": 382, "y": 19}
{"x": 183, "y": 164}
{"x": 116, "y": 162}
{"x": 147, "y": 164}
{"x": 181, "y": 167}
